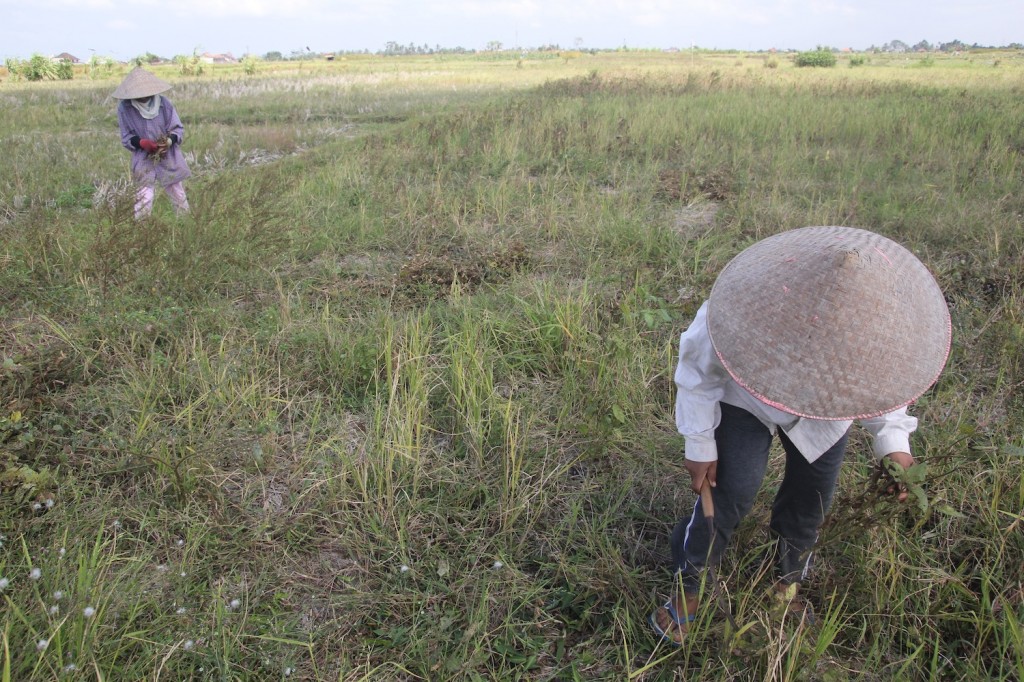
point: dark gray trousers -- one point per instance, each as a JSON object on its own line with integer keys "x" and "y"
{"x": 803, "y": 499}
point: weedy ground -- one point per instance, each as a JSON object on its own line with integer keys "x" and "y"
{"x": 394, "y": 401}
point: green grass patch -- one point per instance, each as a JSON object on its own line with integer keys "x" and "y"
{"x": 394, "y": 400}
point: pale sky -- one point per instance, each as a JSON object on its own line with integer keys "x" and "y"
{"x": 123, "y": 29}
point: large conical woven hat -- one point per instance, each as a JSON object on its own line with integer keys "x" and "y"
{"x": 140, "y": 83}
{"x": 830, "y": 323}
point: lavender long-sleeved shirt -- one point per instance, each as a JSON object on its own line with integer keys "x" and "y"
{"x": 145, "y": 170}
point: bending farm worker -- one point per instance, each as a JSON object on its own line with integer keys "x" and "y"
{"x": 803, "y": 333}
{"x": 152, "y": 132}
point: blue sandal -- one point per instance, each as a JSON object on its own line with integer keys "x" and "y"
{"x": 662, "y": 635}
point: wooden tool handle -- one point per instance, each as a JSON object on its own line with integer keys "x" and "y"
{"x": 706, "y": 503}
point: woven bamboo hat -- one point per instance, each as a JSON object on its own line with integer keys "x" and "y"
{"x": 140, "y": 83}
{"x": 830, "y": 323}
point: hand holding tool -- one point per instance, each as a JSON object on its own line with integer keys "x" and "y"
{"x": 707, "y": 505}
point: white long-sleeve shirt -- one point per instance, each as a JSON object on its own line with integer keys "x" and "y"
{"x": 702, "y": 383}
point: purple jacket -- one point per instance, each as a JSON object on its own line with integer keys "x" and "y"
{"x": 146, "y": 171}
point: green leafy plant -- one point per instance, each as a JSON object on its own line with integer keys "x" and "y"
{"x": 13, "y": 67}
{"x": 100, "y": 66}
{"x": 821, "y": 57}
{"x": 147, "y": 58}
{"x": 64, "y": 70}
{"x": 189, "y": 65}
{"x": 37, "y": 68}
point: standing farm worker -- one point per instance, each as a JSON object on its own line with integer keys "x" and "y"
{"x": 803, "y": 333}
{"x": 152, "y": 132}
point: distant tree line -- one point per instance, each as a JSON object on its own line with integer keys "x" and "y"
{"x": 395, "y": 49}
{"x": 39, "y": 67}
{"x": 925, "y": 46}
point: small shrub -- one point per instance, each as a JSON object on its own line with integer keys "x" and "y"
{"x": 64, "y": 70}
{"x": 148, "y": 58}
{"x": 13, "y": 67}
{"x": 859, "y": 60}
{"x": 37, "y": 68}
{"x": 100, "y": 67}
{"x": 771, "y": 63}
{"x": 40, "y": 68}
{"x": 822, "y": 56}
{"x": 189, "y": 66}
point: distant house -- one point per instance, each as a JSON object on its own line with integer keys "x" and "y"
{"x": 211, "y": 58}
{"x": 329, "y": 56}
{"x": 65, "y": 57}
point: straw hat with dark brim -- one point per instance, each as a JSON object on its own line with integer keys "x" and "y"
{"x": 830, "y": 323}
{"x": 140, "y": 83}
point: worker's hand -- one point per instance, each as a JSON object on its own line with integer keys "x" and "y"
{"x": 147, "y": 145}
{"x": 905, "y": 460}
{"x": 162, "y": 146}
{"x": 700, "y": 471}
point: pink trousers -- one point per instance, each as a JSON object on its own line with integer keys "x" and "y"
{"x": 144, "y": 199}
